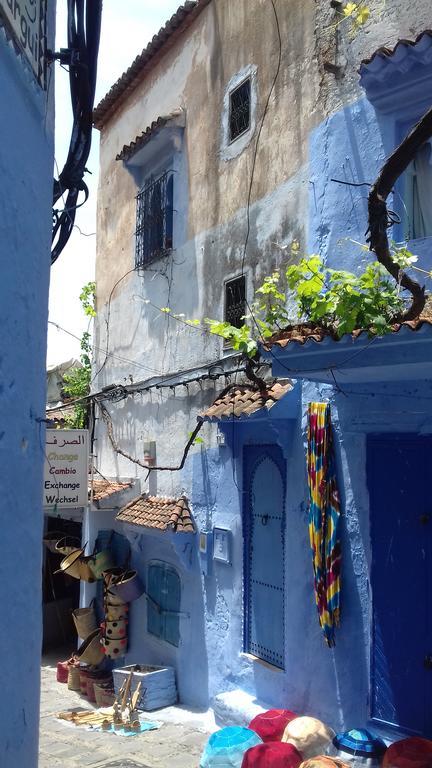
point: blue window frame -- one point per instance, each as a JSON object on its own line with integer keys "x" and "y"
{"x": 163, "y": 602}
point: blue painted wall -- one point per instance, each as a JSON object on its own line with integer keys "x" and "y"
{"x": 26, "y": 168}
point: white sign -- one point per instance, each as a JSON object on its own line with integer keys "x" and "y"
{"x": 66, "y": 468}
{"x": 26, "y": 21}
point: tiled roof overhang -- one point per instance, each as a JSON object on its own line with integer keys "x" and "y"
{"x": 140, "y": 141}
{"x": 387, "y": 68}
{"x": 184, "y": 16}
{"x": 404, "y": 354}
{"x": 158, "y": 512}
{"x": 103, "y": 489}
{"x": 241, "y": 402}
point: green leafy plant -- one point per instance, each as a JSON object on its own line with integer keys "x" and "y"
{"x": 336, "y": 300}
{"x": 77, "y": 382}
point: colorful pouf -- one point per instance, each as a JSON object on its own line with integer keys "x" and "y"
{"x": 361, "y": 747}
{"x": 310, "y": 736}
{"x": 270, "y": 725}
{"x": 409, "y": 753}
{"x": 227, "y": 747}
{"x": 322, "y": 761}
{"x": 272, "y": 755}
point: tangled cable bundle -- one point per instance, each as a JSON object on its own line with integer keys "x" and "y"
{"x": 84, "y": 23}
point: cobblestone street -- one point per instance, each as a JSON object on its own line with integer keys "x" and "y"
{"x": 177, "y": 743}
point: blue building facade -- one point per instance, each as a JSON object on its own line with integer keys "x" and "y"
{"x": 26, "y": 168}
{"x": 248, "y": 634}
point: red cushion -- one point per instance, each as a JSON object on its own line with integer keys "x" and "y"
{"x": 273, "y": 754}
{"x": 270, "y": 725}
{"x": 409, "y": 753}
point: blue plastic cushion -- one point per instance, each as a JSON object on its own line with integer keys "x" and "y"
{"x": 226, "y": 747}
{"x": 361, "y": 743}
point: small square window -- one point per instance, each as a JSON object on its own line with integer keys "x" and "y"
{"x": 240, "y": 109}
{"x": 235, "y": 301}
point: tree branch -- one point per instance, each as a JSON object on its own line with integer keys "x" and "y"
{"x": 109, "y": 425}
{"x": 379, "y": 217}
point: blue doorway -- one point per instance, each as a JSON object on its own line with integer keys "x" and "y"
{"x": 264, "y": 553}
{"x": 398, "y": 468}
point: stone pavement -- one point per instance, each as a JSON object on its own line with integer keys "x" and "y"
{"x": 178, "y": 743}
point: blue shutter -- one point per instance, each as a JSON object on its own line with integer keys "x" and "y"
{"x": 163, "y": 604}
{"x": 154, "y": 590}
{"x": 171, "y": 606}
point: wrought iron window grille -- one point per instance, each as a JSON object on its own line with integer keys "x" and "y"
{"x": 154, "y": 219}
{"x": 239, "y": 109}
{"x": 235, "y": 301}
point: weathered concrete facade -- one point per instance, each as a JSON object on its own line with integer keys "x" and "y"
{"x": 318, "y": 125}
{"x": 26, "y": 170}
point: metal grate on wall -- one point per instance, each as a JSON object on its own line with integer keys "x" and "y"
{"x": 154, "y": 220}
{"x": 239, "y": 112}
{"x": 235, "y": 301}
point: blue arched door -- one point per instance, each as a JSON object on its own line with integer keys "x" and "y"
{"x": 264, "y": 531}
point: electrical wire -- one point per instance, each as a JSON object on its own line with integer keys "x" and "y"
{"x": 83, "y": 35}
{"x": 111, "y": 354}
{"x": 276, "y": 75}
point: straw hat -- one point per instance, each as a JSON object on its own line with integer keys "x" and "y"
{"x": 270, "y": 725}
{"x": 310, "y": 736}
{"x": 322, "y": 761}
{"x": 409, "y": 753}
{"x": 272, "y": 754}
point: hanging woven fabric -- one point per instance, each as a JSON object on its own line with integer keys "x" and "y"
{"x": 324, "y": 518}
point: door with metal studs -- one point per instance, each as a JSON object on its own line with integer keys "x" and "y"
{"x": 264, "y": 549}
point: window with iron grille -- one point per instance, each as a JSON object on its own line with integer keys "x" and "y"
{"x": 235, "y": 301}
{"x": 239, "y": 109}
{"x": 154, "y": 220}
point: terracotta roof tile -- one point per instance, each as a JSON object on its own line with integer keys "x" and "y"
{"x": 140, "y": 141}
{"x": 177, "y": 24}
{"x": 241, "y": 401}
{"x": 103, "y": 489}
{"x": 302, "y": 334}
{"x": 162, "y": 513}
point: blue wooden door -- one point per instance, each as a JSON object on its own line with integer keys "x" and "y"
{"x": 399, "y": 469}
{"x": 264, "y": 529}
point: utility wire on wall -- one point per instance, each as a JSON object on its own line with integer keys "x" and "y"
{"x": 81, "y": 55}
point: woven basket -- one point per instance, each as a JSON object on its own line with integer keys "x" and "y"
{"x": 85, "y": 620}
{"x": 65, "y": 545}
{"x": 63, "y": 669}
{"x": 114, "y": 629}
{"x": 85, "y": 572}
{"x": 116, "y": 612}
{"x": 51, "y": 540}
{"x": 99, "y": 679}
{"x": 105, "y": 695}
{"x": 90, "y": 652}
{"x": 73, "y": 682}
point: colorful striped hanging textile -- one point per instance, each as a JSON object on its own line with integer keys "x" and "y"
{"x": 324, "y": 518}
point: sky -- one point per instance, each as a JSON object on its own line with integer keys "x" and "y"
{"x": 127, "y": 27}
